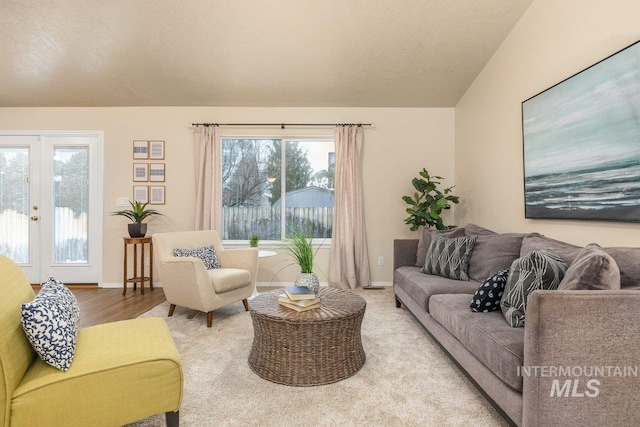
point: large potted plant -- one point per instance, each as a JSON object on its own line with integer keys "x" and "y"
{"x": 137, "y": 214}
{"x": 300, "y": 248}
{"x": 428, "y": 202}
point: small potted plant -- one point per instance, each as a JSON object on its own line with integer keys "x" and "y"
{"x": 137, "y": 214}
{"x": 300, "y": 247}
{"x": 253, "y": 240}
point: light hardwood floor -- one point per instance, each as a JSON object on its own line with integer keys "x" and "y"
{"x": 99, "y": 305}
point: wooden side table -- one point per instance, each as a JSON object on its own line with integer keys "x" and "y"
{"x": 138, "y": 277}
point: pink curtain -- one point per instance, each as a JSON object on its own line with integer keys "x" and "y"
{"x": 348, "y": 258}
{"x": 208, "y": 174}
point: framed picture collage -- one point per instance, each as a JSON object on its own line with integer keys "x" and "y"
{"x": 148, "y": 172}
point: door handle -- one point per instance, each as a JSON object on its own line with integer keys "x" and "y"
{"x": 34, "y": 218}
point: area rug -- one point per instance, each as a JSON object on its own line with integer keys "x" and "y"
{"x": 407, "y": 380}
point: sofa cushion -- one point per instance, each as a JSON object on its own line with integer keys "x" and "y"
{"x": 537, "y": 242}
{"x": 228, "y": 279}
{"x": 422, "y": 286}
{"x": 486, "y": 335}
{"x": 449, "y": 257}
{"x": 206, "y": 253}
{"x": 626, "y": 258}
{"x": 476, "y": 230}
{"x": 536, "y": 270}
{"x": 487, "y": 297}
{"x": 592, "y": 269}
{"x": 627, "y": 261}
{"x": 50, "y": 322}
{"x": 493, "y": 252}
{"x": 425, "y": 241}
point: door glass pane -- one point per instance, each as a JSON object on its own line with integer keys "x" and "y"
{"x": 309, "y": 198}
{"x": 14, "y": 203}
{"x": 71, "y": 204}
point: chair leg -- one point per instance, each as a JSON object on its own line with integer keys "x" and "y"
{"x": 173, "y": 418}
{"x": 171, "y": 308}
{"x": 209, "y": 319}
{"x": 246, "y": 304}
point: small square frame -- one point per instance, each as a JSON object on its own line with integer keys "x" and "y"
{"x": 141, "y": 193}
{"x": 140, "y": 150}
{"x": 157, "y": 194}
{"x": 156, "y": 172}
{"x": 140, "y": 172}
{"x": 156, "y": 150}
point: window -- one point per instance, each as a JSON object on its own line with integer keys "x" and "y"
{"x": 273, "y": 186}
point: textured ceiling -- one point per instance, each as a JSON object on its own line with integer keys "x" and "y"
{"x": 338, "y": 53}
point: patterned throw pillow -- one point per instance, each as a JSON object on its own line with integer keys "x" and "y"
{"x": 50, "y": 322}
{"x": 206, "y": 253}
{"x": 449, "y": 257}
{"x": 536, "y": 270}
{"x": 487, "y": 297}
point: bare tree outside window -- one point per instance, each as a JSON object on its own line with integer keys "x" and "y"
{"x": 252, "y": 187}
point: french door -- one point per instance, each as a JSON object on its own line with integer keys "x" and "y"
{"x": 50, "y": 204}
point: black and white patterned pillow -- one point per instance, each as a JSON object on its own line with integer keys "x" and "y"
{"x": 449, "y": 257}
{"x": 50, "y": 322}
{"x": 206, "y": 253}
{"x": 536, "y": 270}
{"x": 487, "y": 297}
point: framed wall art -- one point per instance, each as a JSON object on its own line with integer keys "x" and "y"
{"x": 141, "y": 193}
{"x": 156, "y": 172}
{"x": 140, "y": 150}
{"x": 156, "y": 150}
{"x": 140, "y": 172}
{"x": 157, "y": 194}
{"x": 581, "y": 142}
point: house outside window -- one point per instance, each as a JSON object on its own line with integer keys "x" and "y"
{"x": 271, "y": 186}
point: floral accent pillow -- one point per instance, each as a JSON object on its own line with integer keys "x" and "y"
{"x": 206, "y": 253}
{"x": 50, "y": 322}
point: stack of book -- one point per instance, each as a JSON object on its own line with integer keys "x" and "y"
{"x": 299, "y": 298}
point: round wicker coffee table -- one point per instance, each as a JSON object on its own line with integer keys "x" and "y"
{"x": 314, "y": 347}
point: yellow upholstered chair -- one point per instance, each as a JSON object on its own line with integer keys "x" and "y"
{"x": 186, "y": 281}
{"x": 121, "y": 372}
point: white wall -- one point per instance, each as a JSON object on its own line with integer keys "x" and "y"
{"x": 402, "y": 143}
{"x": 552, "y": 41}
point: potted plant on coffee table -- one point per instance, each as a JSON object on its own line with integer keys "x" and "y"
{"x": 137, "y": 214}
{"x": 301, "y": 250}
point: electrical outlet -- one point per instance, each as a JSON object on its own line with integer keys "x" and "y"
{"x": 122, "y": 201}
{"x": 380, "y": 260}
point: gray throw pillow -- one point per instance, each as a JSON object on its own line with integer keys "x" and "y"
{"x": 427, "y": 236}
{"x": 536, "y": 270}
{"x": 449, "y": 257}
{"x": 593, "y": 269}
{"x": 206, "y": 253}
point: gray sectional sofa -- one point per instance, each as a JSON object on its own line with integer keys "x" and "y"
{"x": 576, "y": 360}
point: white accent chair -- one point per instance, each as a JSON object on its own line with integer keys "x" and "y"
{"x": 187, "y": 283}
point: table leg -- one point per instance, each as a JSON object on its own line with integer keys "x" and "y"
{"x": 135, "y": 266}
{"x": 124, "y": 269}
{"x": 142, "y": 263}
{"x": 151, "y": 264}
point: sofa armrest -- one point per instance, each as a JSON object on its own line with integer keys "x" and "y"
{"x": 404, "y": 252}
{"x": 581, "y": 358}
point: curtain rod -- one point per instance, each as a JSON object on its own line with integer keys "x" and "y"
{"x": 283, "y": 125}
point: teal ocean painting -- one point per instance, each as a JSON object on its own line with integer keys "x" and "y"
{"x": 582, "y": 144}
